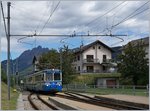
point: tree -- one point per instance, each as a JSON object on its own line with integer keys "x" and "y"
{"x": 4, "y": 76}
{"x": 67, "y": 58}
{"x": 52, "y": 60}
{"x": 134, "y": 64}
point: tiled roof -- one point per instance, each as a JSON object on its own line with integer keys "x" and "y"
{"x": 83, "y": 48}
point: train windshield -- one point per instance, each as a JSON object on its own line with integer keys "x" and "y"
{"x": 49, "y": 76}
{"x": 57, "y": 76}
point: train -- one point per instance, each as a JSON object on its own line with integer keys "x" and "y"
{"x": 48, "y": 80}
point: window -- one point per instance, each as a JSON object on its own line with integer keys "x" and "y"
{"x": 90, "y": 58}
{"x": 49, "y": 77}
{"x": 78, "y": 58}
{"x": 78, "y": 68}
{"x": 104, "y": 68}
{"x": 39, "y": 77}
{"x": 75, "y": 68}
{"x": 93, "y": 47}
{"x": 99, "y": 47}
{"x": 56, "y": 76}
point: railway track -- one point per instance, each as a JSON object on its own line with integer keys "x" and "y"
{"x": 36, "y": 106}
{"x": 50, "y": 103}
{"x": 99, "y": 102}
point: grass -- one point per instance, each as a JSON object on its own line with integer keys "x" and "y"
{"x": 104, "y": 91}
{"x": 138, "y": 92}
{"x": 5, "y": 103}
{"x": 91, "y": 78}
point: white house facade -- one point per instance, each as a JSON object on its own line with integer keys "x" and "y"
{"x": 93, "y": 58}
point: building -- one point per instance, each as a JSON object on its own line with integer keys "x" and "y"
{"x": 95, "y": 57}
{"x": 145, "y": 44}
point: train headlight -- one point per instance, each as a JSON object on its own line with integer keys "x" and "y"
{"x": 47, "y": 84}
{"x": 58, "y": 83}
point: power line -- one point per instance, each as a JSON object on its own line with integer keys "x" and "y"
{"x": 49, "y": 17}
{"x": 128, "y": 17}
{"x": 106, "y": 12}
{"x": 4, "y": 20}
{"x": 42, "y": 17}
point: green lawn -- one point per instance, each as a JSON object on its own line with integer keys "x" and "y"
{"x": 5, "y": 103}
{"x": 126, "y": 91}
{"x": 138, "y": 92}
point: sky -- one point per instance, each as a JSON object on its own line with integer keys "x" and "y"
{"x": 129, "y": 18}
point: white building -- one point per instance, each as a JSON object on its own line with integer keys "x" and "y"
{"x": 93, "y": 58}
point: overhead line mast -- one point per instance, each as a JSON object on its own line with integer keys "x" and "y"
{"x": 8, "y": 48}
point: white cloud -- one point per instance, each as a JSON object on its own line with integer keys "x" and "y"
{"x": 70, "y": 16}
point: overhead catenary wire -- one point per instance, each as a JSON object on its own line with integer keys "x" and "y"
{"x": 43, "y": 17}
{"x": 49, "y": 17}
{"x": 105, "y": 13}
{"x": 126, "y": 18}
{"x": 110, "y": 11}
{"x": 131, "y": 15}
{"x": 4, "y": 19}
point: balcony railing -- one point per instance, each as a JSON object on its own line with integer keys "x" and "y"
{"x": 91, "y": 61}
{"x": 97, "y": 71}
{"x": 108, "y": 61}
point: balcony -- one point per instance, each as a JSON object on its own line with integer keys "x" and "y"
{"x": 96, "y": 71}
{"x": 110, "y": 62}
{"x": 91, "y": 61}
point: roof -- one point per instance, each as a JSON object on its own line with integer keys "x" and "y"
{"x": 144, "y": 40}
{"x": 83, "y": 48}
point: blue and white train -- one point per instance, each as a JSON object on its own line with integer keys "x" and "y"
{"x": 49, "y": 80}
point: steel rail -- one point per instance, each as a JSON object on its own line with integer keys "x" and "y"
{"x": 116, "y": 104}
{"x": 48, "y": 104}
{"x": 32, "y": 103}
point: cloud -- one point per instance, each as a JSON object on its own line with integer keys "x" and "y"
{"x": 30, "y": 16}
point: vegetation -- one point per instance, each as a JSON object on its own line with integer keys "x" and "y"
{"x": 53, "y": 58}
{"x": 3, "y": 77}
{"x": 91, "y": 78}
{"x": 5, "y": 103}
{"x": 134, "y": 64}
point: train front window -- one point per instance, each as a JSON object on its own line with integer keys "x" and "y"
{"x": 56, "y": 76}
{"x": 49, "y": 77}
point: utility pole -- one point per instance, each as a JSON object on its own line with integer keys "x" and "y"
{"x": 61, "y": 59}
{"x": 8, "y": 49}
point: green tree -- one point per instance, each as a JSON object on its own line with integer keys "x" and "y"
{"x": 134, "y": 64}
{"x": 52, "y": 60}
{"x": 3, "y": 76}
{"x": 67, "y": 58}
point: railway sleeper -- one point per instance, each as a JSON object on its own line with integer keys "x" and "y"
{"x": 61, "y": 105}
{"x": 139, "y": 105}
{"x": 114, "y": 105}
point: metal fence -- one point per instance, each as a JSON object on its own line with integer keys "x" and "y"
{"x": 109, "y": 89}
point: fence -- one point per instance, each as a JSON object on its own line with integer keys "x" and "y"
{"x": 111, "y": 89}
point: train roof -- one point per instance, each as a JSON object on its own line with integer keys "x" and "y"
{"x": 52, "y": 70}
{"x": 46, "y": 70}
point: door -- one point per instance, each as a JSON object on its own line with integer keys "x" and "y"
{"x": 104, "y": 58}
{"x": 90, "y": 69}
{"x": 111, "y": 83}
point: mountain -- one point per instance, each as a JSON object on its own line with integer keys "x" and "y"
{"x": 25, "y": 59}
{"x": 117, "y": 51}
